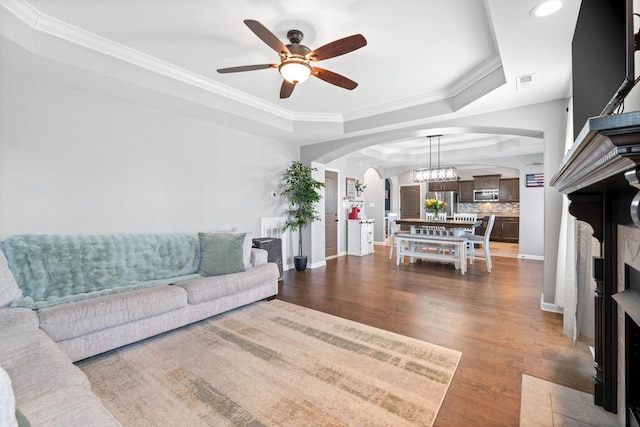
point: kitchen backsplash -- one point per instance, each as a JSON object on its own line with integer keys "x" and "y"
{"x": 490, "y": 207}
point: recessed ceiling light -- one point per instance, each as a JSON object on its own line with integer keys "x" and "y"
{"x": 546, "y": 8}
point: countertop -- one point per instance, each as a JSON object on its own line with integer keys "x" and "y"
{"x": 500, "y": 214}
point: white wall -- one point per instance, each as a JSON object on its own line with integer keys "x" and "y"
{"x": 374, "y": 203}
{"x": 77, "y": 162}
{"x": 531, "y": 243}
{"x": 347, "y": 169}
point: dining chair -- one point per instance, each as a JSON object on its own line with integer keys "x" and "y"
{"x": 483, "y": 241}
{"x": 442, "y": 215}
{"x": 467, "y": 217}
{"x": 393, "y": 230}
{"x": 429, "y": 215}
{"x": 391, "y": 216}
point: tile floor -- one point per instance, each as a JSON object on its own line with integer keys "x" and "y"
{"x": 508, "y": 250}
{"x": 550, "y": 405}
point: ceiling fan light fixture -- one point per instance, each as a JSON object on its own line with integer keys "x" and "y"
{"x": 295, "y": 70}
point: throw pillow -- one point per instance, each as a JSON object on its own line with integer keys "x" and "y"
{"x": 21, "y": 419}
{"x": 246, "y": 246}
{"x": 221, "y": 253}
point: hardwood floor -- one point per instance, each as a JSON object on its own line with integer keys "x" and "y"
{"x": 493, "y": 319}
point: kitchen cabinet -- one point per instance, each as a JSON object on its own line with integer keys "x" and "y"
{"x": 360, "y": 236}
{"x": 443, "y": 186}
{"x": 482, "y": 227}
{"x": 509, "y": 190}
{"x": 505, "y": 229}
{"x": 486, "y": 182}
{"x": 465, "y": 191}
{"x": 510, "y": 229}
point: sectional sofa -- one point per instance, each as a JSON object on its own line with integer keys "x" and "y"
{"x": 66, "y": 298}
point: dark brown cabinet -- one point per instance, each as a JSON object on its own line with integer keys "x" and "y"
{"x": 443, "y": 186}
{"x": 509, "y": 190}
{"x": 505, "y": 229}
{"x": 486, "y": 182}
{"x": 482, "y": 227}
{"x": 510, "y": 229}
{"x": 465, "y": 190}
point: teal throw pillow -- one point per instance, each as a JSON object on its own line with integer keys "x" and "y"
{"x": 221, "y": 253}
{"x": 21, "y": 419}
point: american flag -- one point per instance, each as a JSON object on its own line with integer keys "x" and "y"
{"x": 535, "y": 180}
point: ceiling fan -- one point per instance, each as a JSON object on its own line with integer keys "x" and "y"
{"x": 295, "y": 58}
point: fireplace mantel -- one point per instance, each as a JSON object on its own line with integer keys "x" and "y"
{"x": 607, "y": 146}
{"x": 604, "y": 160}
{"x": 601, "y": 177}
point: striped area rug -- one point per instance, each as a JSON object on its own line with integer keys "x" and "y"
{"x": 274, "y": 364}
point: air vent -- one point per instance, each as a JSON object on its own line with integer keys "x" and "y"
{"x": 526, "y": 81}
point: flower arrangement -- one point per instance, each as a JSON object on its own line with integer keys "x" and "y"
{"x": 434, "y": 205}
{"x": 360, "y": 186}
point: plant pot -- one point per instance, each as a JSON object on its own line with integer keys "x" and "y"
{"x": 300, "y": 262}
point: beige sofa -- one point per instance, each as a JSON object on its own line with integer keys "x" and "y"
{"x": 39, "y": 344}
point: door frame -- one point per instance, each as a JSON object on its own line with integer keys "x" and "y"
{"x": 421, "y": 194}
{"x": 340, "y": 212}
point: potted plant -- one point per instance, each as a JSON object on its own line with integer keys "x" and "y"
{"x": 303, "y": 192}
{"x": 360, "y": 187}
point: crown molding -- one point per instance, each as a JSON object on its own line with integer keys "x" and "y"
{"x": 22, "y": 10}
{"x": 40, "y": 25}
{"x": 47, "y": 25}
{"x": 319, "y": 117}
{"x": 484, "y": 70}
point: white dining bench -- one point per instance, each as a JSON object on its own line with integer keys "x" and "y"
{"x": 451, "y": 249}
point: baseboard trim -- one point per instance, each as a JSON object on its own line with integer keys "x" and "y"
{"x": 547, "y": 306}
{"x": 536, "y": 257}
{"x": 310, "y": 265}
{"x": 317, "y": 264}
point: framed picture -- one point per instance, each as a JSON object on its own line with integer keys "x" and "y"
{"x": 535, "y": 180}
{"x": 351, "y": 188}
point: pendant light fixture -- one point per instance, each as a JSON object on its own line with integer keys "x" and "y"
{"x": 437, "y": 174}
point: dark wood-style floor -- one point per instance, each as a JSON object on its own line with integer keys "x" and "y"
{"x": 493, "y": 319}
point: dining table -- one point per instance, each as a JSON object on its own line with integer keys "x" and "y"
{"x": 457, "y": 225}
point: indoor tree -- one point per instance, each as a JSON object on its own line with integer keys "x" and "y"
{"x": 303, "y": 193}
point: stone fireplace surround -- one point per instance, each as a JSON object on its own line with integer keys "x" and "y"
{"x": 628, "y": 309}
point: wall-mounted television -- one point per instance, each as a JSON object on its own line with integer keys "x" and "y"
{"x": 602, "y": 59}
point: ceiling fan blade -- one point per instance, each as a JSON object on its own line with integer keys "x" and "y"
{"x": 338, "y": 47}
{"x": 246, "y": 68}
{"x": 286, "y": 89}
{"x": 267, "y": 36}
{"x": 334, "y": 78}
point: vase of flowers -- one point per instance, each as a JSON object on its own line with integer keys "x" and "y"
{"x": 435, "y": 206}
{"x": 360, "y": 188}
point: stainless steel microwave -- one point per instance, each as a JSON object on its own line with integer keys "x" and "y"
{"x": 485, "y": 195}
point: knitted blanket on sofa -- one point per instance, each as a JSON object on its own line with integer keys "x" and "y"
{"x": 54, "y": 269}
